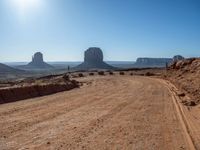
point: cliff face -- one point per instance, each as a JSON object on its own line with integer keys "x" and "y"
{"x": 93, "y": 59}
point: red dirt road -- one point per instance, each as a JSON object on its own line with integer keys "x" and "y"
{"x": 109, "y": 113}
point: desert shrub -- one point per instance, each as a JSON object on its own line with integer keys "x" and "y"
{"x": 111, "y": 73}
{"x": 121, "y": 73}
{"x": 66, "y": 77}
{"x": 91, "y": 73}
{"x": 149, "y": 74}
{"x": 101, "y": 73}
{"x": 80, "y": 75}
{"x": 131, "y": 74}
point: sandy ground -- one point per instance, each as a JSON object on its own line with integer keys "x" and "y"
{"x": 128, "y": 112}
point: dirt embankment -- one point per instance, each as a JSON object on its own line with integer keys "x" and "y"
{"x": 36, "y": 87}
{"x": 185, "y": 74}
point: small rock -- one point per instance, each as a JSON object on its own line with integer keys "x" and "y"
{"x": 184, "y": 101}
{"x": 48, "y": 143}
{"x": 149, "y": 74}
{"x": 181, "y": 94}
{"x": 191, "y": 103}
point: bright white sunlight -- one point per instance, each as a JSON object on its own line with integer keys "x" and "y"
{"x": 23, "y": 7}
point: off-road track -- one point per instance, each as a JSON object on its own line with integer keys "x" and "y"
{"x": 138, "y": 113}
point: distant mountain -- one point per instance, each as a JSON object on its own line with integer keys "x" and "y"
{"x": 4, "y": 69}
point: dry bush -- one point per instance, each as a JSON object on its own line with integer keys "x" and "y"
{"x": 101, "y": 73}
{"x": 121, "y": 73}
{"x": 91, "y": 73}
{"x": 131, "y": 74}
{"x": 149, "y": 74}
{"x": 80, "y": 75}
{"x": 111, "y": 73}
{"x": 66, "y": 77}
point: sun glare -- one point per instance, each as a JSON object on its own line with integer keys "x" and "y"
{"x": 25, "y": 6}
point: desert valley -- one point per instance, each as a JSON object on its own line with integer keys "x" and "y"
{"x": 99, "y": 75}
{"x": 107, "y": 108}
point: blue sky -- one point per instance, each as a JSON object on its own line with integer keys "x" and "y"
{"x": 123, "y": 29}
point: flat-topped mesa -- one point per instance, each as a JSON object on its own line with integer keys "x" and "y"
{"x": 156, "y": 62}
{"x": 93, "y": 59}
{"x": 152, "y": 62}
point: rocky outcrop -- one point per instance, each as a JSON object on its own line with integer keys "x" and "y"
{"x": 38, "y": 62}
{"x": 93, "y": 59}
{"x": 177, "y": 58}
{"x": 179, "y": 64}
{"x": 185, "y": 74}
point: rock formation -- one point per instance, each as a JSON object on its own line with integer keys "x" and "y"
{"x": 37, "y": 63}
{"x": 37, "y": 59}
{"x": 185, "y": 74}
{"x": 152, "y": 62}
{"x": 156, "y": 62}
{"x": 93, "y": 59}
{"x": 93, "y": 55}
{"x": 178, "y": 57}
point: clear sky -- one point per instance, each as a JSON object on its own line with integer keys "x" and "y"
{"x": 124, "y": 29}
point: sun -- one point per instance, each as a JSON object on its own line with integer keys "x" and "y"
{"x": 25, "y": 6}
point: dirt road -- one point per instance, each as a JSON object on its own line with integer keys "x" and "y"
{"x": 108, "y": 113}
